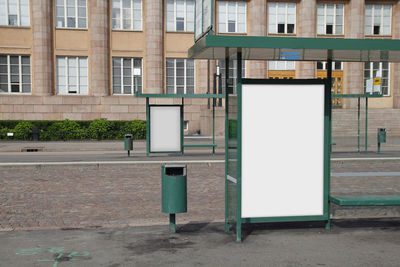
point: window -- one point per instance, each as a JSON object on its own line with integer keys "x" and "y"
{"x": 231, "y": 17}
{"x": 14, "y": 13}
{"x": 180, "y": 15}
{"x": 282, "y": 18}
{"x": 71, "y": 14}
{"x": 232, "y": 82}
{"x": 127, "y": 15}
{"x": 127, "y": 75}
{"x": 281, "y": 65}
{"x": 378, "y": 69}
{"x": 336, "y": 65}
{"x": 72, "y": 75}
{"x": 378, "y": 19}
{"x": 15, "y": 74}
{"x": 330, "y": 19}
{"x": 180, "y": 76}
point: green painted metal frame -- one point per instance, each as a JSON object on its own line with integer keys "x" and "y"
{"x": 329, "y": 45}
{"x": 148, "y": 129}
{"x": 327, "y": 149}
{"x": 327, "y": 152}
{"x": 182, "y": 96}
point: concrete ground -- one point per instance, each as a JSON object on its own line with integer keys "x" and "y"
{"x": 348, "y": 243}
{"x": 91, "y": 205}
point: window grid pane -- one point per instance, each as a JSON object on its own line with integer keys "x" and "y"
{"x": 180, "y": 76}
{"x": 15, "y": 74}
{"x": 231, "y": 17}
{"x": 71, "y": 14}
{"x": 281, "y": 18}
{"x": 180, "y": 15}
{"x": 330, "y": 19}
{"x": 378, "y": 19}
{"x": 126, "y": 15}
{"x": 72, "y": 75}
{"x": 124, "y": 80}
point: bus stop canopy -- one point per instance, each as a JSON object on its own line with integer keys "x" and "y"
{"x": 295, "y": 48}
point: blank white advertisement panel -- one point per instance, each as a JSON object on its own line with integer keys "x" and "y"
{"x": 282, "y": 150}
{"x": 165, "y": 129}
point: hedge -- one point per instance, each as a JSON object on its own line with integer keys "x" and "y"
{"x": 72, "y": 130}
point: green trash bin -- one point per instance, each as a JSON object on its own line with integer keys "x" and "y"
{"x": 128, "y": 143}
{"x": 174, "y": 191}
{"x": 381, "y": 138}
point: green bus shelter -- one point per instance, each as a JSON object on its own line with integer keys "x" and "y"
{"x": 268, "y": 177}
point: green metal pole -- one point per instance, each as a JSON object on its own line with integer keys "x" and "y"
{"x": 226, "y": 142}
{"x": 329, "y": 147}
{"x": 147, "y": 128}
{"x": 213, "y": 130}
{"x": 366, "y": 124}
{"x": 358, "y": 128}
{"x": 182, "y": 122}
{"x": 172, "y": 223}
{"x": 239, "y": 140}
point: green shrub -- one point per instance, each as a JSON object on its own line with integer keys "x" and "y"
{"x": 3, "y": 133}
{"x": 102, "y": 127}
{"x": 23, "y": 130}
{"x": 137, "y": 128}
{"x": 63, "y": 130}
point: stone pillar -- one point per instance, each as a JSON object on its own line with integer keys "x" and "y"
{"x": 395, "y": 84}
{"x": 353, "y": 71}
{"x": 154, "y": 46}
{"x": 99, "y": 43}
{"x": 257, "y": 12}
{"x": 42, "y": 59}
{"x": 306, "y": 28}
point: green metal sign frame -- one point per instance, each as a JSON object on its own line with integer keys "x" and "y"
{"x": 182, "y": 96}
{"x": 148, "y": 130}
{"x": 237, "y": 185}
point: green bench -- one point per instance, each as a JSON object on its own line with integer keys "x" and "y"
{"x": 365, "y": 200}
{"x": 200, "y": 145}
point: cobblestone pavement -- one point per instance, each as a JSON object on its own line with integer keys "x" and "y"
{"x": 113, "y": 195}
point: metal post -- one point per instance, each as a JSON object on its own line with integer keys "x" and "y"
{"x": 328, "y": 160}
{"x": 213, "y": 128}
{"x": 147, "y": 128}
{"x": 226, "y": 141}
{"x": 172, "y": 223}
{"x": 239, "y": 136}
{"x": 182, "y": 131}
{"x": 366, "y": 124}
{"x": 358, "y": 128}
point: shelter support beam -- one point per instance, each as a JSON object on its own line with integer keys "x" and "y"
{"x": 226, "y": 142}
{"x": 239, "y": 141}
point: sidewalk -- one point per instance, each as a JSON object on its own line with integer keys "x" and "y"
{"x": 349, "y": 243}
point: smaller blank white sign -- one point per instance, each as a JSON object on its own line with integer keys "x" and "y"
{"x": 165, "y": 129}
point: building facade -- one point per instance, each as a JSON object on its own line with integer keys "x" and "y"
{"x": 84, "y": 59}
